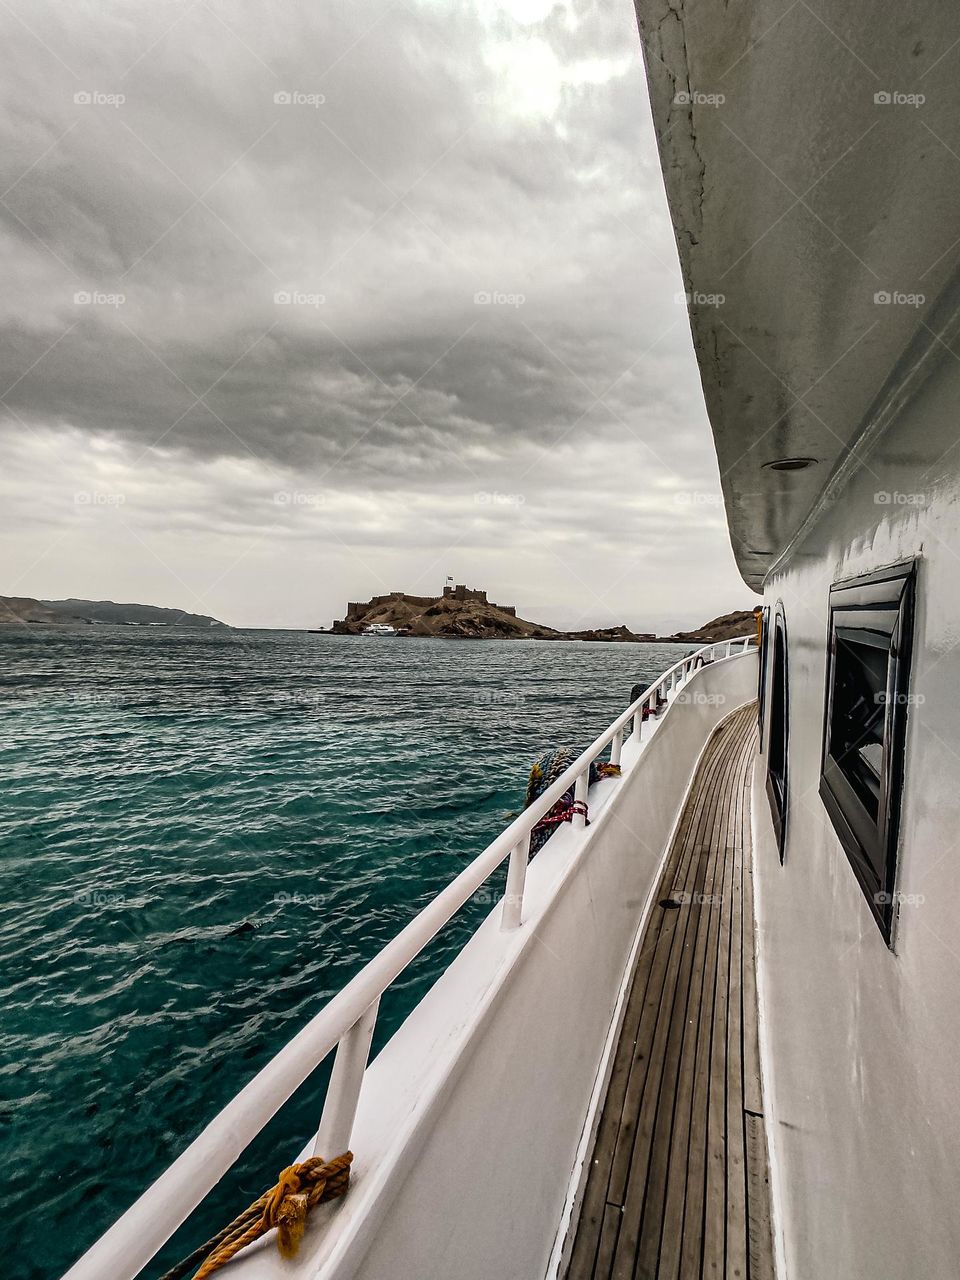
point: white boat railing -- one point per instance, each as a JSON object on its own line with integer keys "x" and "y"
{"x": 347, "y": 1022}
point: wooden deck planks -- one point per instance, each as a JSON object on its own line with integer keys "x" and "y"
{"x": 619, "y": 1114}
{"x": 664, "y": 1195}
{"x": 677, "y": 1187}
{"x": 690, "y": 1244}
{"x": 655, "y": 1088}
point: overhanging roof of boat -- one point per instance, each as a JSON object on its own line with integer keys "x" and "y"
{"x": 811, "y": 154}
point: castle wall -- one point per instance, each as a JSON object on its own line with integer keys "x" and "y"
{"x": 358, "y": 608}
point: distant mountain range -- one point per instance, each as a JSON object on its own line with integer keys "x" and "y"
{"x": 25, "y": 609}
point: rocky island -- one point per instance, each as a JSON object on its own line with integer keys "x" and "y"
{"x": 729, "y": 626}
{"x": 464, "y": 613}
{"x": 460, "y": 613}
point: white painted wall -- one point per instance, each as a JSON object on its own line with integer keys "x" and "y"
{"x": 864, "y": 1041}
{"x": 470, "y": 1118}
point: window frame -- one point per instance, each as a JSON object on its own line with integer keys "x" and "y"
{"x": 887, "y": 599}
{"x": 778, "y": 783}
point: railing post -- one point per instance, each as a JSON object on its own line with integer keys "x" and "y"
{"x": 512, "y": 909}
{"x": 580, "y": 798}
{"x": 616, "y": 747}
{"x": 343, "y": 1092}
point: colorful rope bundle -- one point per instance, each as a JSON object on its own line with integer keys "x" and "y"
{"x": 547, "y": 768}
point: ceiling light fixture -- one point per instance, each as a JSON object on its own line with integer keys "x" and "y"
{"x": 790, "y": 464}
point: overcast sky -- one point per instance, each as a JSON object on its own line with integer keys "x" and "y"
{"x": 307, "y": 302}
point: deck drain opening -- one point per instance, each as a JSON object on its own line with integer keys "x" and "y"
{"x": 670, "y": 904}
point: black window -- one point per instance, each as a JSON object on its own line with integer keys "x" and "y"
{"x": 871, "y": 624}
{"x": 763, "y": 658}
{"x": 778, "y": 727}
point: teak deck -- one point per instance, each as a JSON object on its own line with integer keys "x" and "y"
{"x": 678, "y": 1185}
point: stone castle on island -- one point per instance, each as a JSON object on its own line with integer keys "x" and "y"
{"x": 459, "y": 593}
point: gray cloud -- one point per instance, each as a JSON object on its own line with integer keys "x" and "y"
{"x": 203, "y": 277}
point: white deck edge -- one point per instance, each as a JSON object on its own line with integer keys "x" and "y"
{"x": 766, "y": 1049}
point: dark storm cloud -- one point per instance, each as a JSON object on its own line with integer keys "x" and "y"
{"x": 305, "y": 398}
{"x": 413, "y": 187}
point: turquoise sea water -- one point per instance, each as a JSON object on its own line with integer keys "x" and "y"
{"x": 203, "y": 836}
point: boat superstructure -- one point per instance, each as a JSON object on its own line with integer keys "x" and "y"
{"x": 711, "y": 1028}
{"x": 811, "y": 155}
{"x": 380, "y": 629}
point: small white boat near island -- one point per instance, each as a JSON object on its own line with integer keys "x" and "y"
{"x": 379, "y": 629}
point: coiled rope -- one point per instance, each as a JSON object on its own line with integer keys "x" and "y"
{"x": 546, "y": 769}
{"x": 285, "y": 1206}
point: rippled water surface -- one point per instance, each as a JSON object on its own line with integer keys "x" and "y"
{"x": 204, "y": 835}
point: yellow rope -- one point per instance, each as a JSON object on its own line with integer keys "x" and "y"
{"x": 285, "y": 1206}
